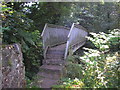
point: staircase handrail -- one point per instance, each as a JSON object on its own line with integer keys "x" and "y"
{"x": 53, "y": 35}
{"x": 73, "y": 35}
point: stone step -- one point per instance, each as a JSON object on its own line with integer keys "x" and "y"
{"x": 54, "y": 56}
{"x": 47, "y": 83}
{"x": 61, "y": 52}
{"x": 59, "y": 47}
{"x": 51, "y": 71}
{"x": 43, "y": 82}
{"x": 53, "y": 62}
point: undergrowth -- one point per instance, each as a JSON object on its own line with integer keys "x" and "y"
{"x": 99, "y": 67}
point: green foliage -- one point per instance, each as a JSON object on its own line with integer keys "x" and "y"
{"x": 97, "y": 17}
{"x": 70, "y": 83}
{"x": 99, "y": 68}
{"x": 47, "y": 12}
{"x": 105, "y": 41}
{"x": 29, "y": 83}
{"x": 5, "y": 8}
{"x": 35, "y": 82}
{"x": 23, "y": 24}
{"x": 74, "y": 70}
{"x": 18, "y": 28}
{"x": 94, "y": 16}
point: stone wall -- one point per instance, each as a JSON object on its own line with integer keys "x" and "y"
{"x": 13, "y": 69}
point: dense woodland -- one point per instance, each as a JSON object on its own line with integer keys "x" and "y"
{"x": 95, "y": 65}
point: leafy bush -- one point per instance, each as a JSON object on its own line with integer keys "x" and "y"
{"x": 74, "y": 70}
{"x": 101, "y": 71}
{"x": 70, "y": 83}
{"x": 105, "y": 41}
{"x": 30, "y": 83}
{"x": 102, "y": 66}
{"x": 99, "y": 67}
{"x": 18, "y": 28}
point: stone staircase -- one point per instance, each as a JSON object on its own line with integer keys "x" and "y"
{"x": 53, "y": 66}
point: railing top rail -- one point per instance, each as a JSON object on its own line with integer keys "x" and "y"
{"x": 80, "y": 27}
{"x": 54, "y": 26}
{"x": 44, "y": 29}
{"x": 57, "y": 26}
{"x": 78, "y": 42}
{"x": 73, "y": 34}
{"x": 77, "y": 26}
